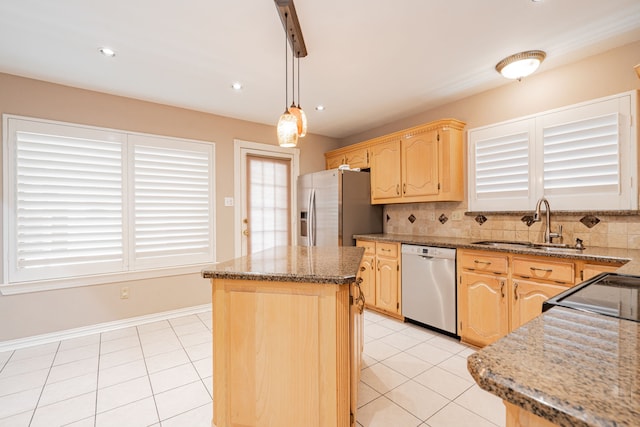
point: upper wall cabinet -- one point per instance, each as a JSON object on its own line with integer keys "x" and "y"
{"x": 581, "y": 157}
{"x": 421, "y": 164}
{"x": 354, "y": 157}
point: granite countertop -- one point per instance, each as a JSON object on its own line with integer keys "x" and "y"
{"x": 613, "y": 255}
{"x": 332, "y": 265}
{"x": 573, "y": 368}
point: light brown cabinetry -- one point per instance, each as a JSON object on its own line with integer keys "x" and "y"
{"x": 367, "y": 271}
{"x": 422, "y": 164}
{"x": 285, "y": 353}
{"x": 499, "y": 292}
{"x": 385, "y": 172}
{"x": 380, "y": 271}
{"x": 482, "y": 297}
{"x": 355, "y": 158}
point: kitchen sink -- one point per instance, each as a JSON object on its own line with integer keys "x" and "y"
{"x": 546, "y": 247}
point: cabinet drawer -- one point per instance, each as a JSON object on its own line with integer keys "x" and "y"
{"x": 484, "y": 262}
{"x": 387, "y": 249}
{"x": 369, "y": 247}
{"x": 553, "y": 271}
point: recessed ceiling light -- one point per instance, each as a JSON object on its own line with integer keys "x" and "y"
{"x": 107, "y": 51}
{"x": 236, "y": 86}
{"x": 320, "y": 108}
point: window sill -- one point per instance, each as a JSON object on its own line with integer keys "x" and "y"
{"x": 102, "y": 279}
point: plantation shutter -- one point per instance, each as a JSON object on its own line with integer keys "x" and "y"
{"x": 68, "y": 204}
{"x": 172, "y": 202}
{"x": 582, "y": 156}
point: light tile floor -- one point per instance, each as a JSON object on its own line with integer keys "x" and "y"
{"x": 160, "y": 375}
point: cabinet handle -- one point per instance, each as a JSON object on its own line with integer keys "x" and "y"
{"x": 515, "y": 290}
{"x": 385, "y": 250}
{"x": 404, "y": 188}
{"x": 362, "y": 268}
{"x": 545, "y": 270}
{"x": 398, "y": 189}
{"x": 378, "y": 265}
{"x": 482, "y": 262}
{"x": 502, "y": 289}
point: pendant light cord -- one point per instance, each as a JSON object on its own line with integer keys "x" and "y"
{"x": 286, "y": 69}
{"x": 293, "y": 73}
{"x": 298, "y": 80}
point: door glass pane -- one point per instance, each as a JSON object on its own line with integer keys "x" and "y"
{"x": 268, "y": 202}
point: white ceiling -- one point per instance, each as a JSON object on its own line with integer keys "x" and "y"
{"x": 370, "y": 62}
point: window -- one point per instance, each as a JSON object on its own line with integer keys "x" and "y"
{"x": 581, "y": 157}
{"x": 269, "y": 207}
{"x": 85, "y": 201}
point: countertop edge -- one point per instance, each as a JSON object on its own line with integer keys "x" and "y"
{"x": 597, "y": 254}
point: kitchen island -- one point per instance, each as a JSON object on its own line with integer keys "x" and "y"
{"x": 287, "y": 337}
{"x": 565, "y": 368}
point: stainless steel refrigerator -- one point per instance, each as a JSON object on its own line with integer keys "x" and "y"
{"x": 333, "y": 205}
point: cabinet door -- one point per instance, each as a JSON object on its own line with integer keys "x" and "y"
{"x": 527, "y": 299}
{"x": 482, "y": 308}
{"x": 367, "y": 273}
{"x": 358, "y": 158}
{"x": 385, "y": 171}
{"x": 334, "y": 161}
{"x": 420, "y": 165}
{"x": 387, "y": 284}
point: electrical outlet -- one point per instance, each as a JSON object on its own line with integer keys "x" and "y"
{"x": 431, "y": 215}
{"x": 228, "y": 201}
{"x": 124, "y": 292}
{"x": 456, "y": 215}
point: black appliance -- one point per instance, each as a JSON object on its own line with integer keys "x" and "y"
{"x": 610, "y": 294}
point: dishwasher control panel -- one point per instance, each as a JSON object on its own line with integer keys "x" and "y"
{"x": 429, "y": 251}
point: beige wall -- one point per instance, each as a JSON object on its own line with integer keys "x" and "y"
{"x": 37, "y": 313}
{"x": 606, "y": 74}
{"x": 601, "y": 75}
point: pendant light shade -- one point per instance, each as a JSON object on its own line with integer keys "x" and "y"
{"x": 301, "y": 118}
{"x": 521, "y": 64}
{"x": 288, "y": 130}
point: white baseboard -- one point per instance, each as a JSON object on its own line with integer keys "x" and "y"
{"x": 16, "y": 344}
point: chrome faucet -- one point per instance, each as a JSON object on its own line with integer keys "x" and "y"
{"x": 548, "y": 235}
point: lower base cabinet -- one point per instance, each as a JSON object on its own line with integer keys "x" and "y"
{"x": 285, "y": 353}
{"x": 380, "y": 271}
{"x": 499, "y": 292}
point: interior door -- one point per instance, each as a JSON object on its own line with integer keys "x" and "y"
{"x": 265, "y": 190}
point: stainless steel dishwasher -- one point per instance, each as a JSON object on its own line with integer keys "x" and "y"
{"x": 429, "y": 286}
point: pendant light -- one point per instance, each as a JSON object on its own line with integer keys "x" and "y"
{"x": 288, "y": 123}
{"x": 296, "y": 110}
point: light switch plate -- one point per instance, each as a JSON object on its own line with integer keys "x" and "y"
{"x": 228, "y": 201}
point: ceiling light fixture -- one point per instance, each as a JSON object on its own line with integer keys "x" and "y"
{"x": 293, "y": 122}
{"x": 107, "y": 51}
{"x": 521, "y": 64}
{"x": 320, "y": 107}
{"x": 288, "y": 123}
{"x": 237, "y": 86}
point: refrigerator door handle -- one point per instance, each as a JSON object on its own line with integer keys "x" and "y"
{"x": 312, "y": 218}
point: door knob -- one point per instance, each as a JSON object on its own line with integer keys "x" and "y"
{"x": 245, "y": 232}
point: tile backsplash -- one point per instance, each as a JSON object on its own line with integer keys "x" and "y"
{"x": 425, "y": 219}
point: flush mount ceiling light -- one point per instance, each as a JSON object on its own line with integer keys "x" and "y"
{"x": 107, "y": 51}
{"x": 521, "y": 64}
{"x": 293, "y": 122}
{"x": 237, "y": 86}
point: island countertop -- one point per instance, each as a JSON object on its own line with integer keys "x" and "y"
{"x": 573, "y": 368}
{"x": 331, "y": 265}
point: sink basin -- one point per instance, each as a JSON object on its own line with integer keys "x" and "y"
{"x": 505, "y": 244}
{"x": 547, "y": 247}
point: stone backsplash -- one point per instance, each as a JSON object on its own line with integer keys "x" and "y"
{"x": 424, "y": 219}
